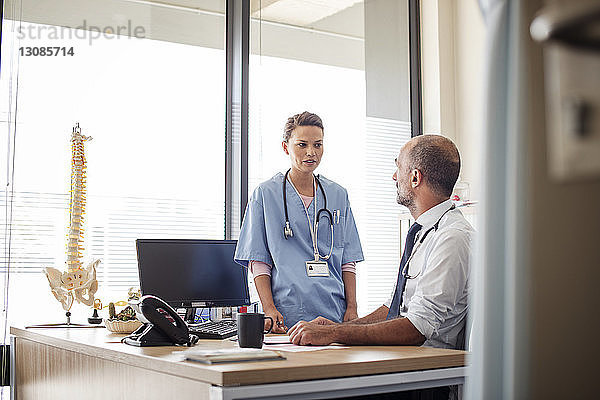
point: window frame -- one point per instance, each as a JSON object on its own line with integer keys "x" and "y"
{"x": 414, "y": 55}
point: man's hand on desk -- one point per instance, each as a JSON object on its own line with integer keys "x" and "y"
{"x": 322, "y": 321}
{"x": 319, "y": 331}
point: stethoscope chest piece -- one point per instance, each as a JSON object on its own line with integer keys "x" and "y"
{"x": 287, "y": 231}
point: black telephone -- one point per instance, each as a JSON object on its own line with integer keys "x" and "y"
{"x": 162, "y": 325}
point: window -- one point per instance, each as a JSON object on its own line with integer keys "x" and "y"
{"x": 153, "y": 100}
{"x": 147, "y": 81}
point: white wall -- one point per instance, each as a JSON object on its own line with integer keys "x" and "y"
{"x": 469, "y": 89}
{"x": 430, "y": 43}
{"x": 453, "y": 35}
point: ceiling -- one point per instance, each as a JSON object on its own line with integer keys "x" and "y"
{"x": 298, "y": 12}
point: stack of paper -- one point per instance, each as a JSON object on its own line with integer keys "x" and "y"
{"x": 277, "y": 339}
{"x": 213, "y": 356}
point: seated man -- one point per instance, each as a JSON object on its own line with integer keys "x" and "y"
{"x": 428, "y": 305}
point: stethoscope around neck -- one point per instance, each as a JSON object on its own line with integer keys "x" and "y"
{"x": 287, "y": 230}
{"x": 420, "y": 242}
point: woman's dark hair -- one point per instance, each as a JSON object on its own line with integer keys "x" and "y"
{"x": 303, "y": 119}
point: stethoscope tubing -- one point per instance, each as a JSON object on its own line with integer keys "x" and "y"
{"x": 287, "y": 230}
{"x": 420, "y": 242}
{"x": 285, "y": 209}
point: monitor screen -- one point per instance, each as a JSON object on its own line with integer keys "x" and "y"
{"x": 192, "y": 273}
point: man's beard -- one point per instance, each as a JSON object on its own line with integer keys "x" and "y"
{"x": 406, "y": 199}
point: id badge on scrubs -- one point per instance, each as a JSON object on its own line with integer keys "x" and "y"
{"x": 317, "y": 268}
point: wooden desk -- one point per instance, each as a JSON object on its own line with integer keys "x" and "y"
{"x": 91, "y": 363}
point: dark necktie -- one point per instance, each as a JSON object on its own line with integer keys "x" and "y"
{"x": 401, "y": 282}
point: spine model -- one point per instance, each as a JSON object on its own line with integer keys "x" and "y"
{"x": 77, "y": 208}
{"x": 76, "y": 283}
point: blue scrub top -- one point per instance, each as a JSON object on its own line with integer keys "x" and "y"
{"x": 296, "y": 295}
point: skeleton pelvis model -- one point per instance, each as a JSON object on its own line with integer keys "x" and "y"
{"x": 77, "y": 282}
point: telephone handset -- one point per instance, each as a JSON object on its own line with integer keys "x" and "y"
{"x": 162, "y": 325}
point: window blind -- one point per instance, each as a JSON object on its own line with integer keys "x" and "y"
{"x": 40, "y": 221}
{"x": 380, "y": 229}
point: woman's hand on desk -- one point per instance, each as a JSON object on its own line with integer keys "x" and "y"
{"x": 315, "y": 333}
{"x": 350, "y": 314}
{"x": 278, "y": 323}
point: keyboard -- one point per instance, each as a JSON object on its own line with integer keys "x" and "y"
{"x": 214, "y": 329}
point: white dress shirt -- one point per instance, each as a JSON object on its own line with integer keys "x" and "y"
{"x": 435, "y": 301}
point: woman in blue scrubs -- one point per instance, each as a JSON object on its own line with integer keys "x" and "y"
{"x": 299, "y": 272}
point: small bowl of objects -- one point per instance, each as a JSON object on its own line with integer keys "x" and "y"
{"x": 123, "y": 322}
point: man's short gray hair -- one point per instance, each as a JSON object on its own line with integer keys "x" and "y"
{"x": 438, "y": 160}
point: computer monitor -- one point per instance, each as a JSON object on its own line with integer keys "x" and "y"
{"x": 192, "y": 273}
